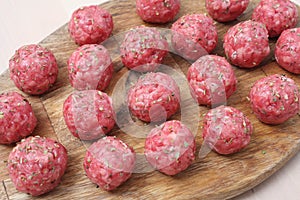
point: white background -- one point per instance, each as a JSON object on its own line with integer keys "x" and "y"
{"x": 29, "y": 21}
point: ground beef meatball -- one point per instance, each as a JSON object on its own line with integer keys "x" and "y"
{"x": 170, "y": 148}
{"x": 157, "y": 11}
{"x": 90, "y": 68}
{"x": 90, "y": 25}
{"x": 37, "y": 164}
{"x": 287, "y": 50}
{"x": 274, "y": 99}
{"x": 225, "y": 11}
{"x": 191, "y": 32}
{"x": 277, "y": 15}
{"x": 143, "y": 49}
{"x": 226, "y": 130}
{"x": 109, "y": 162}
{"x": 246, "y": 44}
{"x": 89, "y": 114}
{"x": 33, "y": 69}
{"x": 17, "y": 119}
{"x": 212, "y": 80}
{"x": 155, "y": 97}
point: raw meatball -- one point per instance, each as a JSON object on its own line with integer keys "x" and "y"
{"x": 17, "y": 119}
{"x": 170, "y": 148}
{"x": 33, "y": 69}
{"x": 90, "y": 67}
{"x": 143, "y": 49}
{"x": 274, "y": 99}
{"x": 155, "y": 97}
{"x": 90, "y": 25}
{"x": 157, "y": 11}
{"x": 89, "y": 114}
{"x": 109, "y": 162}
{"x": 37, "y": 164}
{"x": 287, "y": 50}
{"x": 212, "y": 80}
{"x": 277, "y": 15}
{"x": 193, "y": 29}
{"x": 246, "y": 44}
{"x": 225, "y": 11}
{"x": 226, "y": 130}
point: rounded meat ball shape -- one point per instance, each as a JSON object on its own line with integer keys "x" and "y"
{"x": 170, "y": 148}
{"x": 226, "y": 130}
{"x": 109, "y": 162}
{"x": 277, "y": 15}
{"x": 225, "y": 11}
{"x": 212, "y": 80}
{"x": 155, "y": 97}
{"x": 274, "y": 99}
{"x": 37, "y": 164}
{"x": 90, "y": 25}
{"x": 90, "y": 68}
{"x": 194, "y": 35}
{"x": 157, "y": 11}
{"x": 143, "y": 49}
{"x": 246, "y": 44}
{"x": 89, "y": 114}
{"x": 17, "y": 119}
{"x": 33, "y": 69}
{"x": 287, "y": 50}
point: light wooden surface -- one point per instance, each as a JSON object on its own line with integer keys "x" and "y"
{"x": 214, "y": 177}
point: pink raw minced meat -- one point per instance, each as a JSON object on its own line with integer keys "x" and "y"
{"x": 246, "y": 44}
{"x": 212, "y": 80}
{"x": 226, "y": 130}
{"x": 157, "y": 11}
{"x": 192, "y": 30}
{"x": 143, "y": 49}
{"x": 277, "y": 15}
{"x": 33, "y": 69}
{"x": 170, "y": 148}
{"x": 287, "y": 50}
{"x": 155, "y": 97}
{"x": 90, "y": 25}
{"x": 90, "y": 67}
{"x": 109, "y": 162}
{"x": 225, "y": 11}
{"x": 36, "y": 165}
{"x": 17, "y": 119}
{"x": 274, "y": 99}
{"x": 89, "y": 114}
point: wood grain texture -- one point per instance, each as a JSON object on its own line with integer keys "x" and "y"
{"x": 214, "y": 177}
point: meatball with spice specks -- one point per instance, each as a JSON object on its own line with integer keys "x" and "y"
{"x": 287, "y": 50}
{"x": 36, "y": 165}
{"x": 33, "y": 69}
{"x": 225, "y": 11}
{"x": 89, "y": 114}
{"x": 274, "y": 99}
{"x": 226, "y": 130}
{"x": 155, "y": 97}
{"x": 277, "y": 15}
{"x": 109, "y": 162}
{"x": 90, "y": 25}
{"x": 143, "y": 49}
{"x": 246, "y": 44}
{"x": 90, "y": 67}
{"x": 17, "y": 119}
{"x": 192, "y": 30}
{"x": 157, "y": 11}
{"x": 212, "y": 80}
{"x": 170, "y": 148}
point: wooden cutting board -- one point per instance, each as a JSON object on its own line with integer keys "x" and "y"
{"x": 213, "y": 177}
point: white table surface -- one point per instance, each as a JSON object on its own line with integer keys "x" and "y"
{"x": 25, "y": 22}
